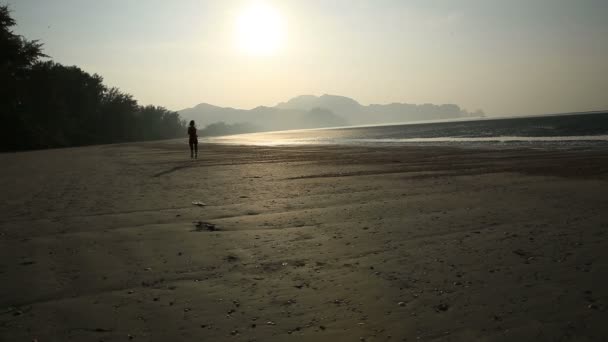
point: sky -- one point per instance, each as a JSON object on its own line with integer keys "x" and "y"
{"x": 516, "y": 57}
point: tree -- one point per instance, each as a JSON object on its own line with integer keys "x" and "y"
{"x": 45, "y": 104}
{"x": 62, "y": 106}
{"x": 17, "y": 55}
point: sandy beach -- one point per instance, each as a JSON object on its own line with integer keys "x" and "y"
{"x": 310, "y": 243}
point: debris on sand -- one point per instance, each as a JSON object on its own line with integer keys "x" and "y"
{"x": 520, "y": 252}
{"x": 442, "y": 307}
{"x": 231, "y": 258}
{"x": 199, "y": 203}
{"x": 200, "y": 226}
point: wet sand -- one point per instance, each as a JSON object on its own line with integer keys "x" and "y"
{"x": 313, "y": 243}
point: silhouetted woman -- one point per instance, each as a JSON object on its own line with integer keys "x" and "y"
{"x": 193, "y": 142}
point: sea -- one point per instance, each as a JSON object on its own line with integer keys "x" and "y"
{"x": 567, "y": 130}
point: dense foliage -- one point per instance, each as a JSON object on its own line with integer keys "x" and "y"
{"x": 45, "y": 104}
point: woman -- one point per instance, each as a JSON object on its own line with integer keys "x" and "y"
{"x": 193, "y": 142}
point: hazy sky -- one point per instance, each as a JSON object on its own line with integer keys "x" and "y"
{"x": 505, "y": 57}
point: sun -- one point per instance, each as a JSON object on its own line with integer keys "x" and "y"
{"x": 260, "y": 30}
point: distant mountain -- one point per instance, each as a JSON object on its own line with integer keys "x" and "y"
{"x": 234, "y": 121}
{"x": 309, "y": 111}
{"x": 340, "y": 105}
{"x": 357, "y": 114}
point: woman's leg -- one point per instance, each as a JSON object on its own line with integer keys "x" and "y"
{"x": 191, "y": 149}
{"x": 196, "y": 149}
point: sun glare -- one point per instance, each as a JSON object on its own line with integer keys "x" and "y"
{"x": 260, "y": 30}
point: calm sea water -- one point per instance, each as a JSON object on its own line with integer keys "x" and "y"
{"x": 563, "y": 129}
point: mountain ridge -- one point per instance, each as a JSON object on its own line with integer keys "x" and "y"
{"x": 311, "y": 111}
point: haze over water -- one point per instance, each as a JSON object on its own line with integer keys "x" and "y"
{"x": 567, "y": 129}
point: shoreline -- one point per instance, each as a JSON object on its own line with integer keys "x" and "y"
{"x": 494, "y": 143}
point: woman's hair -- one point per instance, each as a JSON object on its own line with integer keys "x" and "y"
{"x": 191, "y": 122}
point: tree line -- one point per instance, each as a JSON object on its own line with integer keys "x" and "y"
{"x": 44, "y": 104}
